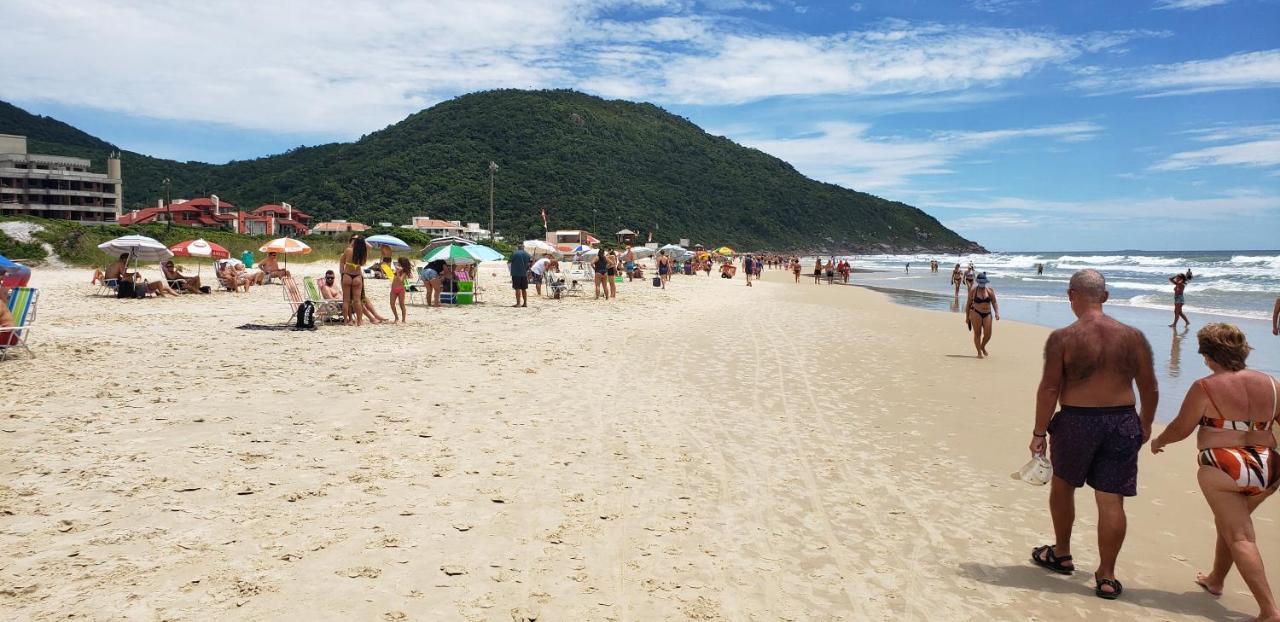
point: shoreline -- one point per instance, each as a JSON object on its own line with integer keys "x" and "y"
{"x": 708, "y": 451}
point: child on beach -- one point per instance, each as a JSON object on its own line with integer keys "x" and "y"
{"x": 404, "y": 270}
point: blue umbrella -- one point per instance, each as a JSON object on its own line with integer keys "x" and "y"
{"x": 7, "y": 263}
{"x": 387, "y": 240}
{"x": 482, "y": 253}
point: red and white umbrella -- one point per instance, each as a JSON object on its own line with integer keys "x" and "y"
{"x": 286, "y": 246}
{"x": 199, "y": 248}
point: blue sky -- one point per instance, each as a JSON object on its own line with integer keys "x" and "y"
{"x": 1022, "y": 124}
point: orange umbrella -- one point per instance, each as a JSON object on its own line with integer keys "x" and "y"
{"x": 286, "y": 246}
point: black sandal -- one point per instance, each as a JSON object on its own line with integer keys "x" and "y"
{"x": 1050, "y": 561}
{"x": 1114, "y": 584}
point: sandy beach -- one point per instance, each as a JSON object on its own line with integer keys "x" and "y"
{"x": 707, "y": 452}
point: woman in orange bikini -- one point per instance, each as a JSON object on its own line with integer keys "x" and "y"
{"x": 353, "y": 279}
{"x": 1235, "y": 409}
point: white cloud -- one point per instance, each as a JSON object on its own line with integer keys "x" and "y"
{"x": 1238, "y": 202}
{"x": 844, "y": 154}
{"x": 342, "y": 69}
{"x": 996, "y": 6}
{"x": 998, "y": 220}
{"x": 1187, "y": 5}
{"x": 1245, "y": 70}
{"x": 1257, "y": 153}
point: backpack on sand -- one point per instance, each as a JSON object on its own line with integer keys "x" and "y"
{"x": 306, "y": 316}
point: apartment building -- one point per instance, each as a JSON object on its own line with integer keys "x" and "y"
{"x": 50, "y": 186}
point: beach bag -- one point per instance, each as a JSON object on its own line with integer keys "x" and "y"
{"x": 124, "y": 289}
{"x": 657, "y": 281}
{"x": 1035, "y": 472}
{"x": 306, "y": 316}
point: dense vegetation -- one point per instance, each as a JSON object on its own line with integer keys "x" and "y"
{"x": 78, "y": 244}
{"x": 594, "y": 164}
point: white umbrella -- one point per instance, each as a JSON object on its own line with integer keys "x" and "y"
{"x": 536, "y": 247}
{"x": 642, "y": 251}
{"x": 139, "y": 247}
{"x": 672, "y": 248}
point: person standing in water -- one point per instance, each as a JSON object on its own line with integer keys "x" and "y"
{"x": 979, "y": 309}
{"x": 1179, "y": 287}
{"x": 1239, "y": 466}
{"x": 1090, "y": 369}
{"x": 956, "y": 279}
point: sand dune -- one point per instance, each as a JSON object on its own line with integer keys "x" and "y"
{"x": 708, "y": 452}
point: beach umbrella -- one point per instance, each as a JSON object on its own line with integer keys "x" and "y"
{"x": 724, "y": 250}
{"x": 642, "y": 251}
{"x": 139, "y": 248}
{"x": 482, "y": 253}
{"x": 390, "y": 241}
{"x": 15, "y": 274}
{"x": 450, "y": 254}
{"x": 538, "y": 246}
{"x": 199, "y": 248}
{"x": 448, "y": 240}
{"x": 8, "y": 264}
{"x": 581, "y": 248}
{"x": 285, "y": 246}
{"x": 672, "y": 248}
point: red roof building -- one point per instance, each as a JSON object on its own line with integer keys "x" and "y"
{"x": 270, "y": 219}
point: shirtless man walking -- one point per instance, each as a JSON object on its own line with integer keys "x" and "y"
{"x": 1090, "y": 368}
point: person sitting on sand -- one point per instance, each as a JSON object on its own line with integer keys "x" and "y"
{"x": 271, "y": 267}
{"x": 119, "y": 271}
{"x": 190, "y": 284}
{"x": 1090, "y": 368}
{"x": 328, "y": 286}
{"x": 233, "y": 280}
{"x": 9, "y": 337}
{"x": 1235, "y": 410}
{"x": 979, "y": 308}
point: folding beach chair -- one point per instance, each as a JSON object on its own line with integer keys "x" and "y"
{"x": 22, "y": 304}
{"x": 292, "y": 296}
{"x": 107, "y": 287}
{"x": 326, "y": 309}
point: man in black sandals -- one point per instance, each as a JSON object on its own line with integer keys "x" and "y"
{"x": 1090, "y": 368}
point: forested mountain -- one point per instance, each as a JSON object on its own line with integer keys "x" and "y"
{"x": 592, "y": 163}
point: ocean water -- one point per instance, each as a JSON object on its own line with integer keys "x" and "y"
{"x": 1239, "y": 287}
{"x": 1240, "y": 284}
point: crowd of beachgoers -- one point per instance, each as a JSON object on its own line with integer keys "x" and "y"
{"x": 1089, "y": 422}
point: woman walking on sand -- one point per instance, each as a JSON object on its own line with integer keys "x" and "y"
{"x": 795, "y": 268}
{"x": 979, "y": 310}
{"x": 349, "y": 266}
{"x": 1179, "y": 286}
{"x": 1235, "y": 410}
{"x": 601, "y": 268}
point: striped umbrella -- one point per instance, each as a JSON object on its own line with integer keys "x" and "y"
{"x": 286, "y": 246}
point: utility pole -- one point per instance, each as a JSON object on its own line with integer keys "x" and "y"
{"x": 168, "y": 215}
{"x": 493, "y": 168}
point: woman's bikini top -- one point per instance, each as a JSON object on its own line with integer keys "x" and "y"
{"x": 1235, "y": 424}
{"x": 981, "y": 300}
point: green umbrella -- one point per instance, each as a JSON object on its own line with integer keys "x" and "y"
{"x": 450, "y": 254}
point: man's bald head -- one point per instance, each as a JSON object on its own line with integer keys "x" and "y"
{"x": 1089, "y": 285}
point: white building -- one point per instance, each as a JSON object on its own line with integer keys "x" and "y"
{"x": 437, "y": 228}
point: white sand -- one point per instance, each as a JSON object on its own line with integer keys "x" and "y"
{"x": 780, "y": 452}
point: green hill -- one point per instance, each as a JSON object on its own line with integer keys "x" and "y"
{"x": 592, "y": 163}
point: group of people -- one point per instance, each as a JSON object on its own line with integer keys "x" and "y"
{"x": 830, "y": 269}
{"x": 1090, "y": 370}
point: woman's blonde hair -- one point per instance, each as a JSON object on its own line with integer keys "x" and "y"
{"x": 1225, "y": 344}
